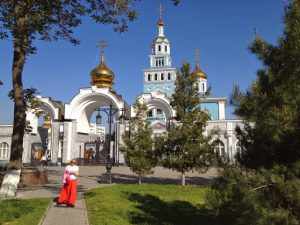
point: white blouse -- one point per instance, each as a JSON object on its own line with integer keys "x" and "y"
{"x": 72, "y": 169}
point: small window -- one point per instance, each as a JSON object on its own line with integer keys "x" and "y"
{"x": 203, "y": 87}
{"x": 155, "y": 77}
{"x": 169, "y": 76}
{"x": 162, "y": 76}
{"x": 4, "y": 148}
{"x": 219, "y": 147}
{"x": 150, "y": 113}
{"x": 149, "y": 77}
{"x": 166, "y": 48}
{"x": 159, "y": 48}
{"x": 159, "y": 112}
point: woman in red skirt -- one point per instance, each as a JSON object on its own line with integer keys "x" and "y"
{"x": 69, "y": 190}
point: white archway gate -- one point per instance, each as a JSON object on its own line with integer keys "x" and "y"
{"x": 157, "y": 101}
{"x": 76, "y": 125}
{"x": 33, "y": 140}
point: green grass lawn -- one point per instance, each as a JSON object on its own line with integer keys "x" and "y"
{"x": 148, "y": 204}
{"x": 22, "y": 212}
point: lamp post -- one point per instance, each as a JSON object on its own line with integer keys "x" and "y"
{"x": 109, "y": 112}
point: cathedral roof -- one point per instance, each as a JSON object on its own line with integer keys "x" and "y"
{"x": 199, "y": 73}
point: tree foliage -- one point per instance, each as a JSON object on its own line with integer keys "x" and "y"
{"x": 138, "y": 145}
{"x": 185, "y": 146}
{"x": 268, "y": 191}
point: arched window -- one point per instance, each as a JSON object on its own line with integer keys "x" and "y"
{"x": 169, "y": 76}
{"x": 156, "y": 115}
{"x": 166, "y": 48}
{"x": 159, "y": 48}
{"x": 155, "y": 77}
{"x": 156, "y": 63}
{"x": 4, "y": 148}
{"x": 203, "y": 87}
{"x": 149, "y": 77}
{"x": 162, "y": 62}
{"x": 219, "y": 147}
{"x": 162, "y": 76}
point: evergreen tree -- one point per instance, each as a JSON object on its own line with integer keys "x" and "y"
{"x": 185, "y": 146}
{"x": 138, "y": 145}
{"x": 269, "y": 190}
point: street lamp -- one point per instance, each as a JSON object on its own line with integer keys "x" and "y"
{"x": 110, "y": 112}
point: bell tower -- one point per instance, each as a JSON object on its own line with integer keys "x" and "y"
{"x": 160, "y": 76}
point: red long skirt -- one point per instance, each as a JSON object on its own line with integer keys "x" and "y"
{"x": 68, "y": 193}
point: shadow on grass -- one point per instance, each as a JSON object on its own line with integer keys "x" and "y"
{"x": 152, "y": 210}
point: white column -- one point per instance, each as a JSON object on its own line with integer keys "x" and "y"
{"x": 221, "y": 110}
{"x": 67, "y": 145}
{"x": 229, "y": 135}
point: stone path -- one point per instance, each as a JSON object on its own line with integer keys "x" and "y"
{"x": 90, "y": 177}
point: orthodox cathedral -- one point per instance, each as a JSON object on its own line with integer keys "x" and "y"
{"x": 67, "y": 131}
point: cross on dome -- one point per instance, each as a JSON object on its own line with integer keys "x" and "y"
{"x": 102, "y": 44}
{"x": 160, "y": 10}
{"x": 197, "y": 55}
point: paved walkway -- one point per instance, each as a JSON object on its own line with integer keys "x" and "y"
{"x": 90, "y": 177}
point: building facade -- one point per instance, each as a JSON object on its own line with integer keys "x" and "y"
{"x": 67, "y": 131}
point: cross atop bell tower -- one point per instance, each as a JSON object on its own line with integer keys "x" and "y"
{"x": 160, "y": 22}
{"x": 160, "y": 10}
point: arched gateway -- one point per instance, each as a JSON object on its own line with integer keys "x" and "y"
{"x": 69, "y": 130}
{"x": 77, "y": 125}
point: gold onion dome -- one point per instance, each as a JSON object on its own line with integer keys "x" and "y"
{"x": 198, "y": 72}
{"x": 102, "y": 76}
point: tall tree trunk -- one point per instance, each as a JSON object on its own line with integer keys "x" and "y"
{"x": 183, "y": 178}
{"x": 19, "y": 105}
{"x": 21, "y": 38}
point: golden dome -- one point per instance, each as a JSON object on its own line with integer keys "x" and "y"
{"x": 102, "y": 76}
{"x": 47, "y": 121}
{"x": 198, "y": 72}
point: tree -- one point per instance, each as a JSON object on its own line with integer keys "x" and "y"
{"x": 271, "y": 138}
{"x": 185, "y": 146}
{"x": 138, "y": 146}
{"x": 28, "y": 20}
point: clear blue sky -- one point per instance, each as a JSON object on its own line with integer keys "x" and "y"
{"x": 220, "y": 29}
